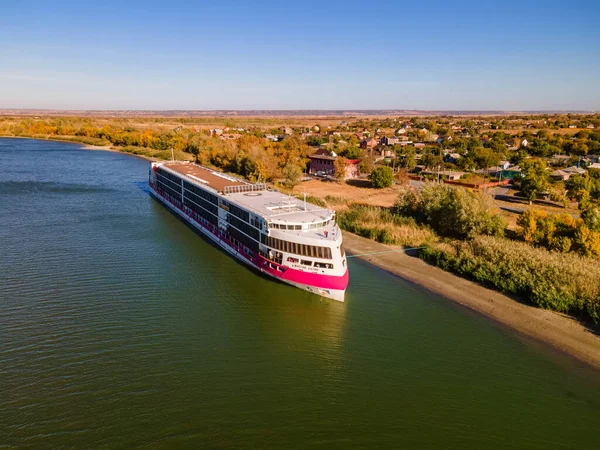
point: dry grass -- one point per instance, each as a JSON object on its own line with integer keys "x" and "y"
{"x": 351, "y": 193}
{"x": 382, "y": 226}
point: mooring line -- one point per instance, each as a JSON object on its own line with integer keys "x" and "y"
{"x": 386, "y": 251}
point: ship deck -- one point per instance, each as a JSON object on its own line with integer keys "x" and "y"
{"x": 209, "y": 177}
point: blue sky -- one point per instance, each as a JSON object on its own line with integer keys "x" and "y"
{"x": 474, "y": 55}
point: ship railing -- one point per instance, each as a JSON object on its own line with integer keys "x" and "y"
{"x": 244, "y": 188}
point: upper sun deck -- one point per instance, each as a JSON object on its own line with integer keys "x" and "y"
{"x": 207, "y": 177}
{"x": 274, "y": 206}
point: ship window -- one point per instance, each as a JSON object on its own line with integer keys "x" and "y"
{"x": 319, "y": 252}
{"x": 292, "y": 260}
{"x": 306, "y": 262}
{"x": 324, "y": 265}
{"x": 297, "y": 227}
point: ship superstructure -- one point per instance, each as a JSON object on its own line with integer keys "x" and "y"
{"x": 281, "y": 236}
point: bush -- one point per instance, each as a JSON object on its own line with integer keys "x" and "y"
{"x": 566, "y": 283}
{"x": 452, "y": 211}
{"x": 382, "y": 177}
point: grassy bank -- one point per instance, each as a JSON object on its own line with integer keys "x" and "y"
{"x": 382, "y": 226}
{"x": 566, "y": 283}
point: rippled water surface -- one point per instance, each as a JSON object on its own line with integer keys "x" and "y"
{"x": 121, "y": 328}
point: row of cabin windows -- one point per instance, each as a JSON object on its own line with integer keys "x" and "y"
{"x": 296, "y": 248}
{"x": 250, "y": 241}
{"x": 166, "y": 181}
{"x": 281, "y": 226}
{"x": 165, "y": 187}
{"x": 243, "y": 239}
{"x": 243, "y": 226}
{"x": 212, "y": 198}
{"x": 233, "y": 209}
{"x": 175, "y": 179}
{"x": 307, "y": 262}
{"x": 201, "y": 203}
{"x": 212, "y": 218}
{"x": 239, "y": 212}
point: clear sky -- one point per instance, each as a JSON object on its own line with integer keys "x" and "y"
{"x": 437, "y": 54}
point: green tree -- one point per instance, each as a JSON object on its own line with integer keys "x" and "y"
{"x": 579, "y": 187}
{"x": 292, "y": 174}
{"x": 534, "y": 178}
{"x": 351, "y": 153}
{"x": 432, "y": 160}
{"x": 407, "y": 157}
{"x": 382, "y": 177}
{"x": 486, "y": 158}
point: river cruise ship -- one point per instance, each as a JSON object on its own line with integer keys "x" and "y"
{"x": 279, "y": 235}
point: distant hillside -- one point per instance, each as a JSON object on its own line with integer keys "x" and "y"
{"x": 263, "y": 113}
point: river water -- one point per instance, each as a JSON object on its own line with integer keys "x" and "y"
{"x": 120, "y": 328}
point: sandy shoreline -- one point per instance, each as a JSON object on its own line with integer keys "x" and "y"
{"x": 551, "y": 328}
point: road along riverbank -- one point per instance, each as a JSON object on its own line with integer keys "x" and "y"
{"x": 554, "y": 329}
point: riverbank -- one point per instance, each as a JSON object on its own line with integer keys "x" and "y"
{"x": 84, "y": 145}
{"x": 559, "y": 331}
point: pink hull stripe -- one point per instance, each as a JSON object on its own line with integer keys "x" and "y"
{"x": 316, "y": 279}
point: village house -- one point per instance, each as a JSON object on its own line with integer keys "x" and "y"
{"x": 385, "y": 140}
{"x": 559, "y": 160}
{"x": 565, "y": 174}
{"x": 450, "y": 175}
{"x": 451, "y": 157}
{"x": 322, "y": 163}
{"x": 368, "y": 144}
{"x": 504, "y": 165}
{"x": 560, "y": 175}
{"x": 386, "y": 152}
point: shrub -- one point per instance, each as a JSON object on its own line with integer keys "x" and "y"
{"x": 452, "y": 211}
{"x": 382, "y": 177}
